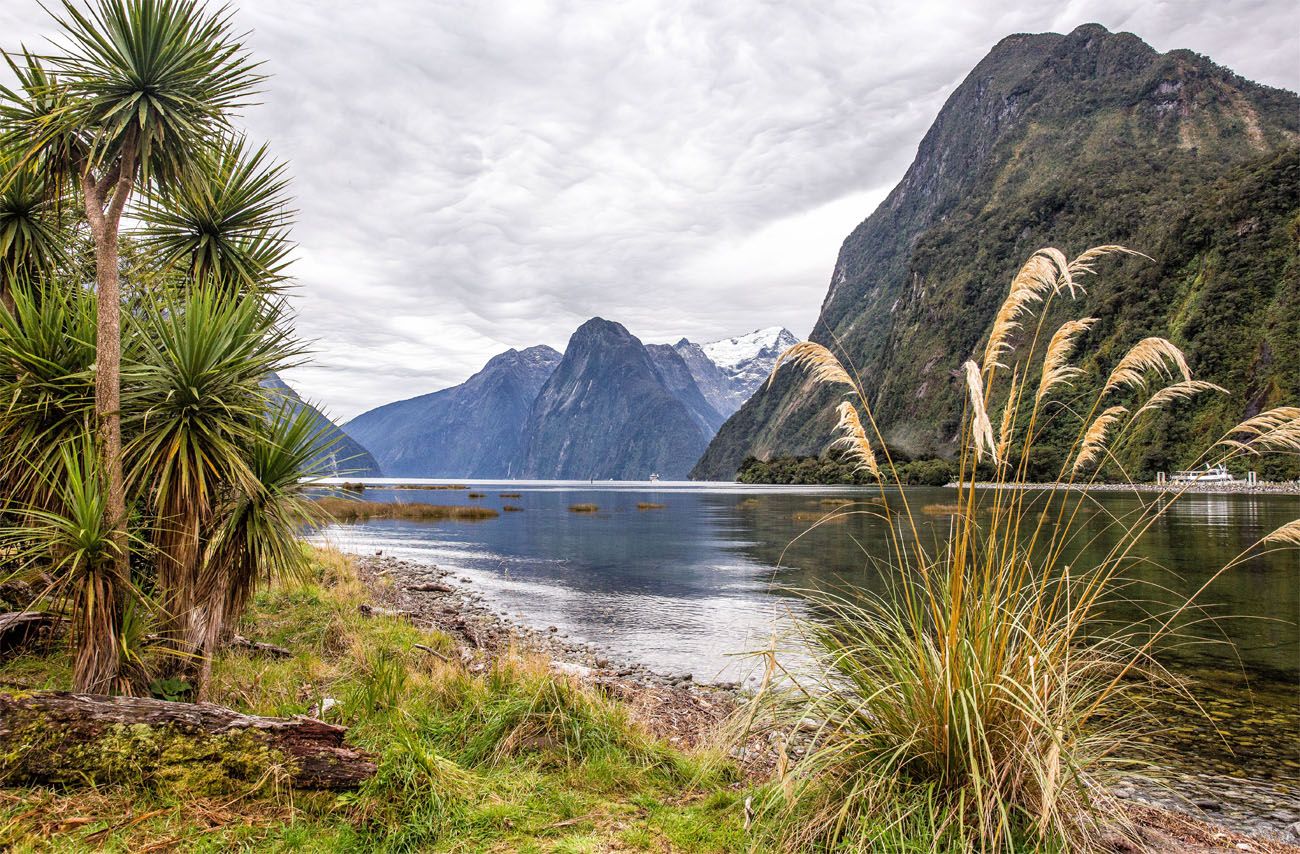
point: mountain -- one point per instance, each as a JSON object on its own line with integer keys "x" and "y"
{"x": 1068, "y": 141}
{"x": 608, "y": 412}
{"x": 474, "y": 430}
{"x": 347, "y": 456}
{"x": 728, "y": 371}
{"x": 678, "y": 379}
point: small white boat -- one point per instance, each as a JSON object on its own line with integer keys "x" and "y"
{"x": 654, "y": 478}
{"x": 1209, "y": 474}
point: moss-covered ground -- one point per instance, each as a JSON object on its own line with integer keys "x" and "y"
{"x": 479, "y": 756}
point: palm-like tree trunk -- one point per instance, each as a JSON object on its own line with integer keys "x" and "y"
{"x": 97, "y": 670}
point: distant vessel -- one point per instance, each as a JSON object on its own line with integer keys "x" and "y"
{"x": 654, "y": 477}
{"x": 1209, "y": 474}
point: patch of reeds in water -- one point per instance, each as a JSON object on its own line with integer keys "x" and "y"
{"x": 510, "y": 495}
{"x": 511, "y": 508}
{"x": 427, "y": 486}
{"x": 818, "y": 516}
{"x": 348, "y": 510}
{"x": 649, "y": 505}
{"x": 474, "y": 496}
{"x": 583, "y": 508}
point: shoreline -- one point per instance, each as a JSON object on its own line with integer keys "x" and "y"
{"x": 685, "y": 712}
{"x": 1287, "y": 487}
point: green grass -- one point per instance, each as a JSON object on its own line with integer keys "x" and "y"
{"x": 513, "y": 758}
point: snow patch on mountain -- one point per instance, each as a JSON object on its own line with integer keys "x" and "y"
{"x": 736, "y": 354}
{"x": 730, "y": 370}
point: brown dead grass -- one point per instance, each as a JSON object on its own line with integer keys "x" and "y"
{"x": 347, "y": 510}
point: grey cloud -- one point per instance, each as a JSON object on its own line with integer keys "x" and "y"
{"x": 474, "y": 176}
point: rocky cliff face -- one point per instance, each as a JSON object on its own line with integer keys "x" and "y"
{"x": 1069, "y": 141}
{"x": 346, "y": 457}
{"x": 607, "y": 412}
{"x": 677, "y": 378}
{"x": 477, "y": 429}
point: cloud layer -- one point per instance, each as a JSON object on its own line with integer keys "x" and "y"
{"x": 474, "y": 176}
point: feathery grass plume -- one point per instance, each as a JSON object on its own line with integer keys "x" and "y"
{"x": 1094, "y": 441}
{"x": 1287, "y": 535}
{"x": 1056, "y": 367}
{"x": 981, "y": 427}
{"x": 1083, "y": 264}
{"x": 987, "y": 699}
{"x": 1275, "y": 431}
{"x": 1150, "y": 355}
{"x": 1178, "y": 391}
{"x": 1032, "y": 284}
{"x": 820, "y": 362}
{"x": 854, "y": 441}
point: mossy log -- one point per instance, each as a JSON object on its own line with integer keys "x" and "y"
{"x": 78, "y": 739}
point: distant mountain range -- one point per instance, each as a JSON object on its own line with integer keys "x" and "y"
{"x": 1067, "y": 141}
{"x": 608, "y": 407}
{"x": 345, "y": 457}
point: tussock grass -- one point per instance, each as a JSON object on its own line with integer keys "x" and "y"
{"x": 348, "y": 510}
{"x": 986, "y": 700}
{"x": 649, "y": 505}
{"x": 508, "y": 757}
{"x": 583, "y": 508}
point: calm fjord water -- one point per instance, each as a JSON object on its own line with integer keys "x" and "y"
{"x": 686, "y": 587}
{"x": 689, "y": 587}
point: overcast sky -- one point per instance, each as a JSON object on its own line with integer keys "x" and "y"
{"x": 475, "y": 176}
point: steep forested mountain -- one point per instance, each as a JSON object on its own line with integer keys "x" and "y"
{"x": 606, "y": 412}
{"x": 1068, "y": 141}
{"x": 346, "y": 456}
{"x": 475, "y": 429}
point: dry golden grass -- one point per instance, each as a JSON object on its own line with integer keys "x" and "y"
{"x": 348, "y": 510}
{"x": 816, "y": 516}
{"x": 981, "y": 427}
{"x": 1150, "y": 357}
{"x": 820, "y": 363}
{"x": 1056, "y": 370}
{"x": 853, "y": 441}
{"x": 1094, "y": 440}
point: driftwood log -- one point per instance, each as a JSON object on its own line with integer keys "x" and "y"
{"x": 270, "y": 649}
{"x": 20, "y": 628}
{"x": 78, "y": 739}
